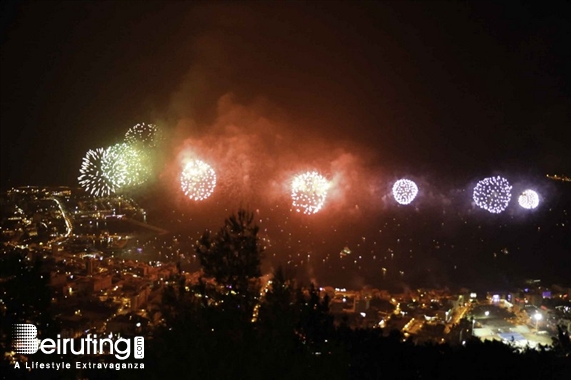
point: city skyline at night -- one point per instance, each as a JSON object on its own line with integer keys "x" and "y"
{"x": 318, "y": 189}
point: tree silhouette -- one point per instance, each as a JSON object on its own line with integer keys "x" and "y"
{"x": 562, "y": 343}
{"x": 26, "y": 298}
{"x": 315, "y": 325}
{"x": 277, "y": 319}
{"x": 232, "y": 258}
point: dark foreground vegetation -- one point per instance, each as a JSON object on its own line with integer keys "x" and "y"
{"x": 228, "y": 325}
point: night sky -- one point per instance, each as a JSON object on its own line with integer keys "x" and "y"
{"x": 444, "y": 93}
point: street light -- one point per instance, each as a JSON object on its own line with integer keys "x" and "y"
{"x": 537, "y": 318}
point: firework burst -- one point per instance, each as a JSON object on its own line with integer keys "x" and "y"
{"x": 126, "y": 165}
{"x": 146, "y": 134}
{"x": 198, "y": 180}
{"x": 493, "y": 194}
{"x": 529, "y": 199}
{"x": 404, "y": 191}
{"x": 113, "y": 166}
{"x": 308, "y": 192}
{"x": 93, "y": 178}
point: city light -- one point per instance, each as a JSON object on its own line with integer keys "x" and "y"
{"x": 538, "y": 317}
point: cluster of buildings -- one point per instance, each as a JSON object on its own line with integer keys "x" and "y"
{"x": 537, "y": 305}
{"x": 92, "y": 290}
{"x": 101, "y": 294}
{"x": 413, "y": 312}
{"x": 440, "y": 315}
{"x": 30, "y": 215}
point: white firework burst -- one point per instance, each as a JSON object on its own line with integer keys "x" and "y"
{"x": 529, "y": 199}
{"x": 92, "y": 177}
{"x": 146, "y": 134}
{"x": 404, "y": 191}
{"x": 493, "y": 194}
{"x": 308, "y": 192}
{"x": 198, "y": 180}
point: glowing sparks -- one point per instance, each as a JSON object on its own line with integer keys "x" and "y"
{"x": 493, "y": 194}
{"x": 308, "y": 192}
{"x": 93, "y": 178}
{"x": 529, "y": 199}
{"x": 146, "y": 134}
{"x": 404, "y": 191}
{"x": 113, "y": 166}
{"x": 126, "y": 165}
{"x": 198, "y": 180}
